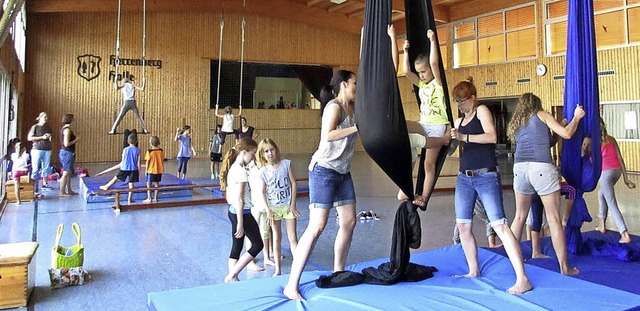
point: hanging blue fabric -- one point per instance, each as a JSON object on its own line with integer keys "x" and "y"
{"x": 581, "y": 88}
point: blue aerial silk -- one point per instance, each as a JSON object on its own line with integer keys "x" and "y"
{"x": 581, "y": 88}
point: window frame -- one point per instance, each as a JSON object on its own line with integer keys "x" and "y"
{"x": 504, "y": 33}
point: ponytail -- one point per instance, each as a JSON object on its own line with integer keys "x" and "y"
{"x": 243, "y": 144}
{"x": 332, "y": 90}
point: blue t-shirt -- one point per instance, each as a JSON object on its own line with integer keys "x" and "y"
{"x": 130, "y": 156}
{"x": 184, "y": 150}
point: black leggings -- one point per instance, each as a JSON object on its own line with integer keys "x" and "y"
{"x": 251, "y": 231}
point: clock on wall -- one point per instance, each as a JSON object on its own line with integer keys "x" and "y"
{"x": 541, "y": 70}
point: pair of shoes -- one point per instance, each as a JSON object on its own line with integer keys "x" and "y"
{"x": 367, "y": 215}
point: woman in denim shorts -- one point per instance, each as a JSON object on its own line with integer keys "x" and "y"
{"x": 330, "y": 183}
{"x": 479, "y": 177}
{"x": 534, "y": 171}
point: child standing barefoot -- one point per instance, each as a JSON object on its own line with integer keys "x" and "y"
{"x": 128, "y": 166}
{"x": 155, "y": 167}
{"x": 277, "y": 187}
{"x": 234, "y": 179}
{"x": 215, "y": 152}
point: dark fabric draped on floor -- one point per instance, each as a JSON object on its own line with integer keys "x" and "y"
{"x": 581, "y": 88}
{"x": 419, "y": 17}
{"x": 383, "y": 129}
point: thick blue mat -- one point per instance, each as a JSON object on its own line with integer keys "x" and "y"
{"x": 90, "y": 184}
{"x": 597, "y": 267}
{"x": 552, "y": 291}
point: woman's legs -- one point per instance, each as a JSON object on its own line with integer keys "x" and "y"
{"x": 607, "y": 198}
{"x": 551, "y": 204}
{"x": 64, "y": 184}
{"x": 512, "y": 247}
{"x": 317, "y": 221}
{"x": 470, "y": 249}
{"x": 342, "y": 244}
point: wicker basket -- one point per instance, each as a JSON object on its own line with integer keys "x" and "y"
{"x": 68, "y": 257}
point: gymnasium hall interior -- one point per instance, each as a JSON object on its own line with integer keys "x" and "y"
{"x": 267, "y": 61}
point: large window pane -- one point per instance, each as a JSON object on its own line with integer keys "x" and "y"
{"x": 634, "y": 24}
{"x": 521, "y": 44}
{"x": 491, "y": 50}
{"x": 599, "y": 5}
{"x": 557, "y": 9}
{"x": 467, "y": 29}
{"x": 556, "y": 38}
{"x": 521, "y": 17}
{"x": 610, "y": 29}
{"x": 490, "y": 25}
{"x": 464, "y": 54}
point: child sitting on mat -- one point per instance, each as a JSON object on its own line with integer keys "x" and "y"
{"x": 128, "y": 167}
{"x": 155, "y": 167}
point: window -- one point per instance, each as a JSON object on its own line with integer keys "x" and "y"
{"x": 621, "y": 119}
{"x": 19, "y": 37}
{"x": 496, "y": 37}
{"x": 617, "y": 23}
{"x": 443, "y": 39}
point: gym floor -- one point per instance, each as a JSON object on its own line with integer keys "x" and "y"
{"x": 137, "y": 252}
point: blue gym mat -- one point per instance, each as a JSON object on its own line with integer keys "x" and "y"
{"x": 90, "y": 184}
{"x": 552, "y": 291}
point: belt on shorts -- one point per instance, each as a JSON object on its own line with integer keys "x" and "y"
{"x": 471, "y": 173}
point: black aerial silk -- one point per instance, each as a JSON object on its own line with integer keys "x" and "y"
{"x": 581, "y": 88}
{"x": 383, "y": 130}
{"x": 419, "y": 16}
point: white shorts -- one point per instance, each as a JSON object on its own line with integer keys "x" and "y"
{"x": 435, "y": 130}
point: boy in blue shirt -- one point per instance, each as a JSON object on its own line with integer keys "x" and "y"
{"x": 128, "y": 166}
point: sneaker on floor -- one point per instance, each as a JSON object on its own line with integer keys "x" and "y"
{"x": 368, "y": 215}
{"x": 213, "y": 176}
{"x": 374, "y": 215}
{"x": 362, "y": 215}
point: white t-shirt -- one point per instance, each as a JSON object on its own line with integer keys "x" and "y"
{"x": 20, "y": 162}
{"x": 278, "y": 184}
{"x": 238, "y": 176}
{"x": 227, "y": 123}
{"x": 128, "y": 91}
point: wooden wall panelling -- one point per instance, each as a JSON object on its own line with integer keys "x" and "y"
{"x": 185, "y": 42}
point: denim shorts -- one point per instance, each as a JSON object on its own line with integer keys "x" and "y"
{"x": 67, "y": 159}
{"x": 488, "y": 188}
{"x": 328, "y": 188}
{"x": 535, "y": 177}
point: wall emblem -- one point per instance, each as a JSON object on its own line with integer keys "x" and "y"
{"x": 89, "y": 66}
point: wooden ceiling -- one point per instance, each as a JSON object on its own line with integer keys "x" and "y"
{"x": 347, "y": 16}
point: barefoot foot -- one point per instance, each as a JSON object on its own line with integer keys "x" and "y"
{"x": 520, "y": 288}
{"x": 254, "y": 267}
{"x": 292, "y": 293}
{"x": 103, "y": 187}
{"x": 570, "y": 271}
{"x": 230, "y": 279}
{"x": 602, "y": 229}
{"x": 269, "y": 262}
{"x": 539, "y": 255}
{"x": 277, "y": 273}
{"x": 468, "y": 275}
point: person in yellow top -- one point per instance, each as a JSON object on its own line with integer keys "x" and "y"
{"x": 434, "y": 124}
{"x": 155, "y": 167}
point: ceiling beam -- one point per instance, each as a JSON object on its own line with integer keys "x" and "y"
{"x": 282, "y": 9}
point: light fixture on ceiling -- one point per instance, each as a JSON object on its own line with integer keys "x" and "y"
{"x": 338, "y": 1}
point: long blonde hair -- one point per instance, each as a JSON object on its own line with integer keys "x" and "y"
{"x": 243, "y": 144}
{"x": 260, "y": 159}
{"x": 528, "y": 105}
{"x": 604, "y": 135}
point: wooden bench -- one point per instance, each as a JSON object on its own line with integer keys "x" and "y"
{"x": 26, "y": 190}
{"x": 17, "y": 273}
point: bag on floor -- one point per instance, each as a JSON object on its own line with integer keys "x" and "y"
{"x": 68, "y": 257}
{"x": 63, "y": 277}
